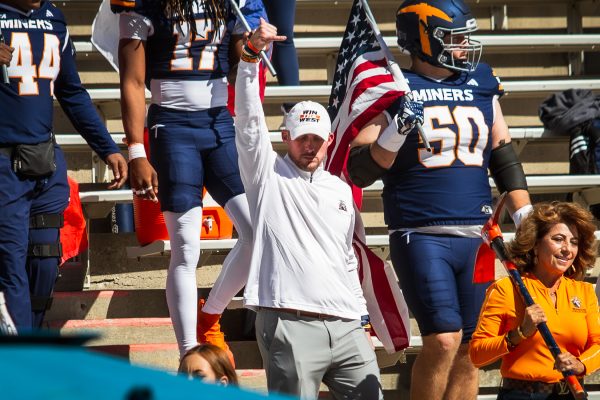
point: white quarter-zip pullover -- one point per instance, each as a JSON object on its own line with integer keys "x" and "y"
{"x": 302, "y": 222}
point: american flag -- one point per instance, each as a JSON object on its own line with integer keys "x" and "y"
{"x": 362, "y": 88}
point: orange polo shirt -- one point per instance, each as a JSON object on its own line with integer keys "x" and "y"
{"x": 574, "y": 323}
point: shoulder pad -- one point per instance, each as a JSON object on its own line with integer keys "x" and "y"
{"x": 487, "y": 79}
{"x": 50, "y": 11}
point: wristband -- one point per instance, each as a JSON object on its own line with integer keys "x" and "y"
{"x": 252, "y": 50}
{"x": 521, "y": 213}
{"x": 247, "y": 57}
{"x": 136, "y": 150}
{"x": 390, "y": 139}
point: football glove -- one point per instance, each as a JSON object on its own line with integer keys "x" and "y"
{"x": 410, "y": 113}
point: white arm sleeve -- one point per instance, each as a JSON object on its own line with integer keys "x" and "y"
{"x": 134, "y": 26}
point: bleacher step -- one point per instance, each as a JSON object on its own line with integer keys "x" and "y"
{"x": 120, "y": 330}
{"x": 99, "y": 304}
{"x": 165, "y": 356}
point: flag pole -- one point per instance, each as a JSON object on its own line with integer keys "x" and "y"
{"x": 392, "y": 64}
{"x": 262, "y": 53}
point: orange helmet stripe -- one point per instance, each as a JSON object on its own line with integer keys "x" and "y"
{"x": 123, "y": 3}
{"x": 424, "y": 11}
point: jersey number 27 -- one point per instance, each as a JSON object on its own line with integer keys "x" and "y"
{"x": 183, "y": 59}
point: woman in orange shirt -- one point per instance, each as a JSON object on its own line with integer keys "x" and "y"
{"x": 553, "y": 248}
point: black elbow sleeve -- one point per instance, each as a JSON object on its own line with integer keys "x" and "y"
{"x": 506, "y": 169}
{"x": 362, "y": 168}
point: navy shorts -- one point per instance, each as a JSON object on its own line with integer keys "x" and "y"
{"x": 192, "y": 149}
{"x": 436, "y": 275}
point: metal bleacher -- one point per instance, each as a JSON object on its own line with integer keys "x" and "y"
{"x": 492, "y": 43}
{"x": 322, "y": 92}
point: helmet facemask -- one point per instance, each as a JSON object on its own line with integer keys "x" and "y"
{"x": 459, "y": 40}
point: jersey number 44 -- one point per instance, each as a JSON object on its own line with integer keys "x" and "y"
{"x": 22, "y": 65}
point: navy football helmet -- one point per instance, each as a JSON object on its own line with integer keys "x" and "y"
{"x": 433, "y": 29}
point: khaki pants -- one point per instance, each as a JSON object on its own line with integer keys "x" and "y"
{"x": 301, "y": 352}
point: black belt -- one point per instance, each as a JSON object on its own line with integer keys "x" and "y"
{"x": 560, "y": 388}
{"x": 299, "y": 313}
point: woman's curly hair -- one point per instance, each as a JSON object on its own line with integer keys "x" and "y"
{"x": 543, "y": 217}
{"x": 182, "y": 11}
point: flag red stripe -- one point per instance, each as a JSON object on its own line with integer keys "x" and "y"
{"x": 370, "y": 83}
{"x": 368, "y": 65}
{"x": 387, "y": 302}
{"x": 385, "y": 298}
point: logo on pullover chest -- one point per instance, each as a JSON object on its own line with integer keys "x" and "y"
{"x": 342, "y": 206}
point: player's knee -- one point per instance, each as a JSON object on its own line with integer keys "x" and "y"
{"x": 446, "y": 342}
{"x": 45, "y": 227}
{"x": 238, "y": 211}
{"x": 43, "y": 258}
{"x": 44, "y": 249}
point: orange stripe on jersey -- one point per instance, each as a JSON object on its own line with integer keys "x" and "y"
{"x": 123, "y": 3}
{"x": 424, "y": 11}
{"x": 500, "y": 87}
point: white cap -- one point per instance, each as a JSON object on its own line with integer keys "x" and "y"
{"x": 308, "y": 117}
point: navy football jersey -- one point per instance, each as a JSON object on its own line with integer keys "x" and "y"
{"x": 448, "y": 186}
{"x": 43, "y": 65}
{"x": 171, "y": 53}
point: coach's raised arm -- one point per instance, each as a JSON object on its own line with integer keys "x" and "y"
{"x": 252, "y": 139}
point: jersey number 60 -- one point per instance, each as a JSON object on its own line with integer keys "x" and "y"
{"x": 457, "y": 139}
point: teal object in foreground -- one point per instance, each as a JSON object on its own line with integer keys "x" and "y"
{"x": 69, "y": 373}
